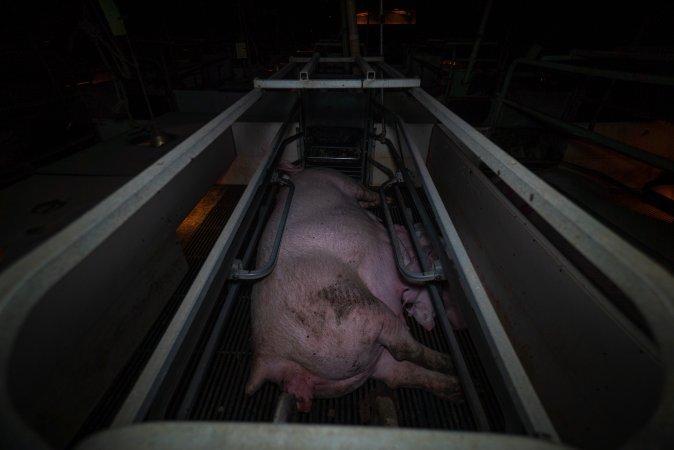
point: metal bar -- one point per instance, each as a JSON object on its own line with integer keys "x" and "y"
{"x": 495, "y": 114}
{"x": 308, "y": 84}
{"x": 440, "y": 313}
{"x": 336, "y": 59}
{"x": 412, "y": 277}
{"x": 266, "y": 269}
{"x": 476, "y": 44}
{"x": 389, "y": 83}
{"x": 381, "y": 28}
{"x": 367, "y": 70}
{"x": 629, "y": 55}
{"x": 456, "y": 354}
{"x": 525, "y": 398}
{"x": 354, "y": 42}
{"x": 382, "y": 167}
{"x": 284, "y": 407}
{"x": 647, "y": 284}
{"x": 620, "y": 147}
{"x": 267, "y": 436}
{"x": 284, "y": 71}
{"x": 308, "y": 69}
{"x": 601, "y": 73}
{"x": 389, "y": 71}
{"x": 206, "y": 357}
{"x": 144, "y": 391}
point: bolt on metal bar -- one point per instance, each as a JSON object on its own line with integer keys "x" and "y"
{"x": 309, "y": 67}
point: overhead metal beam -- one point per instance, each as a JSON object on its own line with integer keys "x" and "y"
{"x": 338, "y": 84}
{"x": 309, "y": 67}
{"x": 336, "y": 59}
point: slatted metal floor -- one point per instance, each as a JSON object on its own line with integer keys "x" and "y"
{"x": 221, "y": 396}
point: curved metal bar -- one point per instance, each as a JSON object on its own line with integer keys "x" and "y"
{"x": 411, "y": 277}
{"x": 381, "y": 167}
{"x": 436, "y": 299}
{"x": 238, "y": 273}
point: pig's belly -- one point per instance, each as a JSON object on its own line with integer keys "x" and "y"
{"x": 315, "y": 310}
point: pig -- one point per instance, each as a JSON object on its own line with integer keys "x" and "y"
{"x": 330, "y": 315}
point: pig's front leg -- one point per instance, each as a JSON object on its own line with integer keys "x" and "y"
{"x": 365, "y": 197}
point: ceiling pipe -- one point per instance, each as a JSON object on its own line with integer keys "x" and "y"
{"x": 354, "y": 44}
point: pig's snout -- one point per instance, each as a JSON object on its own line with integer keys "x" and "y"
{"x": 423, "y": 313}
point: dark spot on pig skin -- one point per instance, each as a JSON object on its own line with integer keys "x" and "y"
{"x": 344, "y": 297}
{"x": 313, "y": 323}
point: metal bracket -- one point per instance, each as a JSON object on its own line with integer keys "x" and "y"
{"x": 237, "y": 272}
{"x": 436, "y": 274}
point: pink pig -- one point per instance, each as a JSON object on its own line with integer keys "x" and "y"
{"x": 330, "y": 315}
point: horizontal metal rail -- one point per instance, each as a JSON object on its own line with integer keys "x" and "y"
{"x": 390, "y": 83}
{"x": 206, "y": 284}
{"x": 336, "y": 59}
{"x": 495, "y": 115}
{"x": 575, "y": 130}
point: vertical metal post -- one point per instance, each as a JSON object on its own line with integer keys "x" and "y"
{"x": 345, "y": 32}
{"x": 354, "y": 44}
{"x": 381, "y": 45}
{"x": 476, "y": 44}
{"x": 381, "y": 28}
{"x": 308, "y": 69}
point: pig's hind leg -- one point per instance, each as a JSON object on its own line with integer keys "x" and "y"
{"x": 400, "y": 374}
{"x": 406, "y": 362}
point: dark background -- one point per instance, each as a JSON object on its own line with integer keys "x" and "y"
{"x": 61, "y": 69}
